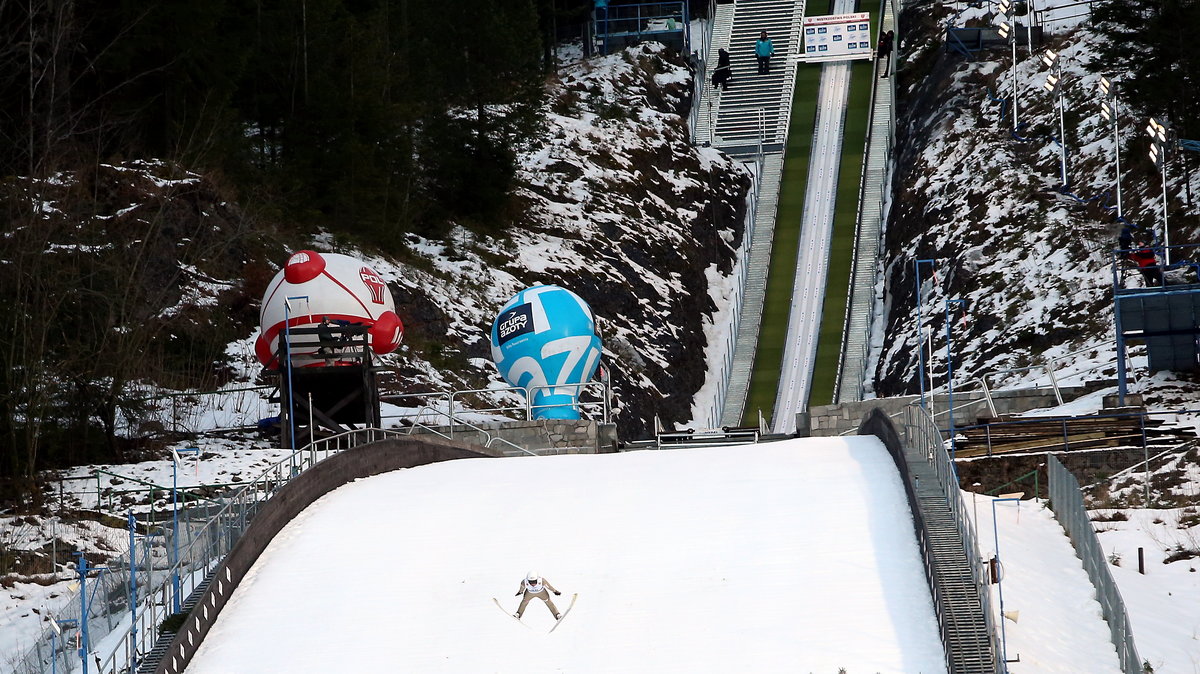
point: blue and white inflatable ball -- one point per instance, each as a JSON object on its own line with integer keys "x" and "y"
{"x": 545, "y": 336}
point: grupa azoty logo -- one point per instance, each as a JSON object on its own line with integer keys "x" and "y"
{"x": 544, "y": 340}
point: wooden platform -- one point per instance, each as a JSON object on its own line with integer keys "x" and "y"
{"x": 1005, "y": 435}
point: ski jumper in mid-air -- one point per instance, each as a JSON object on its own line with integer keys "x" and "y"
{"x": 536, "y": 586}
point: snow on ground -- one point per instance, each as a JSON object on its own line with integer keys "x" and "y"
{"x": 1164, "y": 603}
{"x": 120, "y": 488}
{"x": 1066, "y": 634}
{"x": 1044, "y": 582}
{"x": 668, "y": 524}
{"x": 1034, "y": 265}
{"x": 795, "y": 556}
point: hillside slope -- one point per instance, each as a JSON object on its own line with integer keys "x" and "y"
{"x": 1032, "y": 260}
{"x": 611, "y": 202}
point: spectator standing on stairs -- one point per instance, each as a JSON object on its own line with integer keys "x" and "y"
{"x": 764, "y": 49}
{"x": 884, "y": 53}
{"x": 723, "y": 73}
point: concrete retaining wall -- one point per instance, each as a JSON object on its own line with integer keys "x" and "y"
{"x": 543, "y": 436}
{"x": 826, "y": 420}
{"x": 273, "y": 515}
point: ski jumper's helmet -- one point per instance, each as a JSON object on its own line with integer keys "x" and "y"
{"x": 532, "y": 577}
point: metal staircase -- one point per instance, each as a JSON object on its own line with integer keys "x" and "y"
{"x": 710, "y": 99}
{"x": 758, "y": 266}
{"x": 860, "y": 305}
{"x": 749, "y": 120}
{"x": 964, "y": 629}
{"x": 149, "y": 662}
{"x": 756, "y": 108}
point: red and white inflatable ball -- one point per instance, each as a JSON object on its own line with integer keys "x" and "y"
{"x": 314, "y": 285}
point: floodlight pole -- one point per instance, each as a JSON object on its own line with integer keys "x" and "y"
{"x": 175, "y": 519}
{"x": 85, "y": 645}
{"x": 1117, "y": 149}
{"x": 1013, "y": 39}
{"x": 1028, "y": 28}
{"x": 287, "y": 340}
{"x": 1166, "y": 230}
{"x": 920, "y": 330}
{"x": 1062, "y": 136}
{"x": 1054, "y": 85}
{"x": 175, "y": 528}
{"x": 1009, "y": 32}
{"x": 133, "y": 589}
{"x": 1158, "y": 154}
{"x": 999, "y": 575}
{"x": 950, "y": 377}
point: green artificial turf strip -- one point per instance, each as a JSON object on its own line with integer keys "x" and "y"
{"x": 777, "y": 303}
{"x": 841, "y": 253}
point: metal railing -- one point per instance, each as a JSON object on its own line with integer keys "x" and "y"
{"x": 1050, "y": 367}
{"x": 923, "y": 442}
{"x": 487, "y": 437}
{"x": 593, "y": 400}
{"x": 1067, "y": 503}
{"x": 698, "y": 60}
{"x": 1071, "y": 425}
{"x": 183, "y": 412}
{"x": 853, "y": 359}
{"x": 138, "y": 601}
{"x": 735, "y": 302}
{"x": 640, "y": 22}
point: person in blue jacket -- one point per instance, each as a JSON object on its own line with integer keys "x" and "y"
{"x": 763, "y": 49}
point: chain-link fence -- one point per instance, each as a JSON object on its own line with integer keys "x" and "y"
{"x": 170, "y": 562}
{"x": 1066, "y": 501}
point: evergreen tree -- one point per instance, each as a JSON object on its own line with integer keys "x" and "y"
{"x": 480, "y": 63}
{"x": 1154, "y": 41}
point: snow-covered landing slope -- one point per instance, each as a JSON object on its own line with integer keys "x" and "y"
{"x": 795, "y": 556}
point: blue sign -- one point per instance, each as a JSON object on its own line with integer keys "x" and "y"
{"x": 544, "y": 341}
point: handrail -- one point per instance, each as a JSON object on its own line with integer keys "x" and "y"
{"x": 580, "y": 388}
{"x": 489, "y": 438}
{"x": 855, "y": 261}
{"x": 1069, "y": 417}
{"x": 602, "y": 404}
{"x": 207, "y": 544}
{"x": 1048, "y": 366}
{"x": 923, "y": 441}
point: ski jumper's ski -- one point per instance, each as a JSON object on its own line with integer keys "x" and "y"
{"x": 509, "y": 614}
{"x": 564, "y": 613}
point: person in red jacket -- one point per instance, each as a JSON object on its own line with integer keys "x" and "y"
{"x": 1147, "y": 265}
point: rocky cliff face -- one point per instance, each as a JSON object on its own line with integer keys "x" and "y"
{"x": 1031, "y": 259}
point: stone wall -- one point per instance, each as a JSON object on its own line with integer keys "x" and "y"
{"x": 826, "y": 420}
{"x": 541, "y": 436}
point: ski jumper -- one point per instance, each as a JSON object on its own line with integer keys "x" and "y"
{"x": 540, "y": 588}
